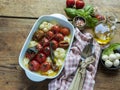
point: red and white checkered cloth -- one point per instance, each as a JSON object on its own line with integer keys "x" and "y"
{"x": 63, "y": 81}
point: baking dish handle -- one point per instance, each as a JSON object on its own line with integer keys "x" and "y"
{"x": 59, "y": 16}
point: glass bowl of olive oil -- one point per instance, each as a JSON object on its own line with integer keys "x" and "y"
{"x": 105, "y": 30}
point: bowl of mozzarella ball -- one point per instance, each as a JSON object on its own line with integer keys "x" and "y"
{"x": 110, "y": 58}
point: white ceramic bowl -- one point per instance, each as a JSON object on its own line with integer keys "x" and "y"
{"x": 62, "y": 20}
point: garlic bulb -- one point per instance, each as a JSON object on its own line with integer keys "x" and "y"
{"x": 108, "y": 63}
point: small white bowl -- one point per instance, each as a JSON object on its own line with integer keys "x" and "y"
{"x": 62, "y": 20}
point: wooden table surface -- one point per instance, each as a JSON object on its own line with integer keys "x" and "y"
{"x": 16, "y": 20}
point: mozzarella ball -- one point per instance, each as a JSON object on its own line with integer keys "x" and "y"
{"x": 25, "y": 62}
{"x": 48, "y": 59}
{"x": 32, "y": 44}
{"x": 45, "y": 29}
{"x": 116, "y": 63}
{"x": 117, "y": 55}
{"x": 41, "y": 26}
{"x": 45, "y": 23}
{"x": 49, "y": 25}
{"x": 67, "y": 39}
{"x": 59, "y": 62}
{"x": 108, "y": 63}
{"x": 105, "y": 57}
{"x": 112, "y": 57}
{"x": 59, "y": 53}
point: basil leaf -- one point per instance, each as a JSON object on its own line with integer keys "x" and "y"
{"x": 71, "y": 12}
{"x": 110, "y": 49}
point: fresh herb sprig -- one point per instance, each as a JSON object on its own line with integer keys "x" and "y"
{"x": 87, "y": 12}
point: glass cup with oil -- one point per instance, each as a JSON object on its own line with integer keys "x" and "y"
{"x": 105, "y": 30}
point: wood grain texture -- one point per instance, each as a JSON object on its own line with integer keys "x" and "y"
{"x": 31, "y": 8}
{"x": 13, "y": 33}
{"x": 36, "y": 8}
{"x": 109, "y": 6}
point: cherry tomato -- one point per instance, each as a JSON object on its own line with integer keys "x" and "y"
{"x": 55, "y": 29}
{"x": 46, "y": 50}
{"x": 100, "y": 17}
{"x": 30, "y": 53}
{"x": 54, "y": 44}
{"x": 44, "y": 41}
{"x": 29, "y": 56}
{"x": 79, "y": 4}
{"x": 59, "y": 37}
{"x": 44, "y": 67}
{"x": 70, "y": 3}
{"x": 41, "y": 57}
{"x": 65, "y": 31}
{"x": 49, "y": 34}
{"x": 34, "y": 65}
{"x": 39, "y": 47}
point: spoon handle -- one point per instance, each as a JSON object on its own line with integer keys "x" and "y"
{"x": 52, "y": 53}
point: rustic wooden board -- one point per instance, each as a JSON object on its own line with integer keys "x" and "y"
{"x": 109, "y": 6}
{"x": 107, "y": 80}
{"x": 36, "y": 8}
{"x": 13, "y": 33}
{"x": 31, "y": 8}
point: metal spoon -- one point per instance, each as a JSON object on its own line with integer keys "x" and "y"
{"x": 53, "y": 64}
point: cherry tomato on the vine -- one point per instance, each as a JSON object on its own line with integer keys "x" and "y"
{"x": 41, "y": 57}
{"x": 34, "y": 65}
{"x": 65, "y": 31}
{"x": 54, "y": 44}
{"x": 55, "y": 29}
{"x": 44, "y": 67}
{"x": 59, "y": 37}
{"x": 46, "y": 50}
{"x": 49, "y": 34}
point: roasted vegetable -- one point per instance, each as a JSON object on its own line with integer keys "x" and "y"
{"x": 38, "y": 35}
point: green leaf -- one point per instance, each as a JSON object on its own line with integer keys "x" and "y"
{"x": 110, "y": 49}
{"x": 89, "y": 9}
{"x": 71, "y": 12}
{"x": 86, "y": 13}
{"x": 91, "y": 22}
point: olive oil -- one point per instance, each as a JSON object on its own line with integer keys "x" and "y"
{"x": 103, "y": 33}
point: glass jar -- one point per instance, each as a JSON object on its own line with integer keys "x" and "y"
{"x": 105, "y": 30}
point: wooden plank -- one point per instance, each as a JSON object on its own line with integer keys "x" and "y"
{"x": 13, "y": 33}
{"x": 31, "y": 8}
{"x": 36, "y": 8}
{"x": 107, "y": 80}
{"x": 109, "y": 6}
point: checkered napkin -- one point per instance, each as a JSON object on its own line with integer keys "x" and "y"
{"x": 63, "y": 81}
